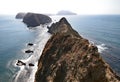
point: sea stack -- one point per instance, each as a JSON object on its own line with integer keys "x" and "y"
{"x": 34, "y": 19}
{"x": 68, "y": 57}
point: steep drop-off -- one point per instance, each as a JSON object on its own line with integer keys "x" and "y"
{"x": 67, "y": 57}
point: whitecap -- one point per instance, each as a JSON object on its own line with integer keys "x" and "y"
{"x": 27, "y": 73}
{"x": 101, "y": 48}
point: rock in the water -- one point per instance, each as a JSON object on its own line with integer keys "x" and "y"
{"x": 30, "y": 44}
{"x": 28, "y": 51}
{"x": 20, "y": 15}
{"x": 20, "y": 63}
{"x": 33, "y": 19}
{"x": 30, "y": 64}
{"x": 67, "y": 57}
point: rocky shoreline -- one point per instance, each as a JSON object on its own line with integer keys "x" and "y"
{"x": 68, "y": 57}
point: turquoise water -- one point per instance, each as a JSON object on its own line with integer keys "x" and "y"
{"x": 13, "y": 37}
{"x": 103, "y": 31}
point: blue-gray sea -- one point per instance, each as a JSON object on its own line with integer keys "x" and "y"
{"x": 101, "y": 30}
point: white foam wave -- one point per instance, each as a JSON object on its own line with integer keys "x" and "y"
{"x": 27, "y": 73}
{"x": 101, "y": 48}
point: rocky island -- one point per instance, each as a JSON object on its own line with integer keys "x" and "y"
{"x": 65, "y": 12}
{"x": 68, "y": 57}
{"x": 34, "y": 19}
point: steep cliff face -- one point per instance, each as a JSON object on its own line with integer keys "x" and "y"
{"x": 67, "y": 57}
{"x": 33, "y": 19}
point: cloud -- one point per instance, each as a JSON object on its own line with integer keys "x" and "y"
{"x": 53, "y": 6}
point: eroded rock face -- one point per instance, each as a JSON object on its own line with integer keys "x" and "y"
{"x": 67, "y": 57}
{"x": 33, "y": 19}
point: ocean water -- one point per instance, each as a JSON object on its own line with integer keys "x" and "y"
{"x": 101, "y": 30}
{"x": 14, "y": 37}
{"x": 104, "y": 32}
{"x": 27, "y": 73}
{"x": 11, "y": 43}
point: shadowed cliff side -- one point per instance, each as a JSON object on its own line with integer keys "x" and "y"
{"x": 67, "y": 57}
{"x": 33, "y": 19}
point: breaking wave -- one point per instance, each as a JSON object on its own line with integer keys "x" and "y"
{"x": 101, "y": 48}
{"x": 27, "y": 73}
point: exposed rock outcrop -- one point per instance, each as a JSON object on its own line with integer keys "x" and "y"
{"x": 67, "y": 57}
{"x": 33, "y": 19}
{"x": 30, "y": 64}
{"x": 20, "y": 63}
{"x": 20, "y": 15}
{"x": 28, "y": 51}
{"x": 30, "y": 44}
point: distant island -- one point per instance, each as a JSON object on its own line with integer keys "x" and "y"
{"x": 34, "y": 19}
{"x": 65, "y": 12}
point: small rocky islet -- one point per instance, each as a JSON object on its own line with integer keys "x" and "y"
{"x": 29, "y": 51}
{"x": 30, "y": 44}
{"x": 20, "y": 62}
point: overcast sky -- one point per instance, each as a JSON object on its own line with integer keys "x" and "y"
{"x": 53, "y": 6}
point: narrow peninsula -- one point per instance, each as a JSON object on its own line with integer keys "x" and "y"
{"x": 68, "y": 57}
